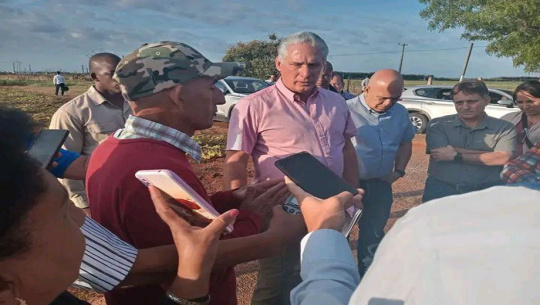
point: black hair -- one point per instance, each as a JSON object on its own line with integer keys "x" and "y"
{"x": 532, "y": 87}
{"x": 471, "y": 87}
{"x": 21, "y": 182}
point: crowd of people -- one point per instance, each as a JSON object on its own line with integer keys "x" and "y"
{"x": 473, "y": 241}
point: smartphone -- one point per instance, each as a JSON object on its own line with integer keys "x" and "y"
{"x": 313, "y": 176}
{"x": 46, "y": 145}
{"x": 190, "y": 205}
{"x": 318, "y": 180}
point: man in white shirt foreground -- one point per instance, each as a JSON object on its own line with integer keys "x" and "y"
{"x": 476, "y": 248}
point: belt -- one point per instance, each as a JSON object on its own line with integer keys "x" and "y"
{"x": 471, "y": 187}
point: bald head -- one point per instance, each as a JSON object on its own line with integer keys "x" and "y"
{"x": 384, "y": 90}
{"x": 102, "y": 67}
{"x": 326, "y": 74}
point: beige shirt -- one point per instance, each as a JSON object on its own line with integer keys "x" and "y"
{"x": 534, "y": 131}
{"x": 90, "y": 119}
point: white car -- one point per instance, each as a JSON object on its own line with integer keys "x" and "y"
{"x": 425, "y": 103}
{"x": 235, "y": 88}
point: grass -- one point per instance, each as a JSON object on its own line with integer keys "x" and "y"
{"x": 39, "y": 105}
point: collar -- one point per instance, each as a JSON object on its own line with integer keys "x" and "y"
{"x": 362, "y": 99}
{"x": 482, "y": 125}
{"x": 95, "y": 96}
{"x": 137, "y": 128}
{"x": 292, "y": 96}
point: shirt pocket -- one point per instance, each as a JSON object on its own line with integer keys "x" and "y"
{"x": 100, "y": 131}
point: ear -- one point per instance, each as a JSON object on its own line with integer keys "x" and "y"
{"x": 175, "y": 94}
{"x": 8, "y": 291}
{"x": 278, "y": 64}
{"x": 366, "y": 89}
{"x": 94, "y": 77}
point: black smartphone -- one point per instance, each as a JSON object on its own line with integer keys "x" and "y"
{"x": 46, "y": 145}
{"x": 313, "y": 176}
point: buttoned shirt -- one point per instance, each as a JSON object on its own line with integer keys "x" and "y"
{"x": 90, "y": 119}
{"x": 378, "y": 136}
{"x": 58, "y": 79}
{"x": 139, "y": 128}
{"x": 273, "y": 123}
{"x": 489, "y": 136}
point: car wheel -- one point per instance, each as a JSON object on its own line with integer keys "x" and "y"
{"x": 419, "y": 121}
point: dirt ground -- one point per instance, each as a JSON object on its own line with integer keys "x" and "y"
{"x": 407, "y": 191}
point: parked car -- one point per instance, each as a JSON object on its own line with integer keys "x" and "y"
{"x": 425, "y": 103}
{"x": 235, "y": 88}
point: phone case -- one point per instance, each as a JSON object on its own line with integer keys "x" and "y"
{"x": 174, "y": 186}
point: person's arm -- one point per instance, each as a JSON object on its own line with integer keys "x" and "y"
{"x": 523, "y": 168}
{"x": 74, "y": 142}
{"x": 435, "y": 136}
{"x": 350, "y": 164}
{"x": 77, "y": 169}
{"x": 235, "y": 171}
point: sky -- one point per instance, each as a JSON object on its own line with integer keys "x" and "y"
{"x": 61, "y": 35}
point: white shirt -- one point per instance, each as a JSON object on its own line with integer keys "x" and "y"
{"x": 477, "y": 248}
{"x": 58, "y": 79}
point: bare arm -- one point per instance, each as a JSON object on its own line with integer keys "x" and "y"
{"x": 235, "y": 169}
{"x": 77, "y": 169}
{"x": 350, "y": 164}
{"x": 403, "y": 156}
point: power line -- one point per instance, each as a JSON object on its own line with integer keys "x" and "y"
{"x": 394, "y": 52}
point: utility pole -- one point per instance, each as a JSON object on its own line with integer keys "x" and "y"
{"x": 466, "y": 62}
{"x": 29, "y": 69}
{"x": 402, "y": 54}
{"x": 13, "y": 67}
{"x": 82, "y": 68}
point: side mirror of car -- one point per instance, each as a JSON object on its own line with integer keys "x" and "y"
{"x": 507, "y": 103}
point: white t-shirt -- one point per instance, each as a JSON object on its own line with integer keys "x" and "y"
{"x": 58, "y": 79}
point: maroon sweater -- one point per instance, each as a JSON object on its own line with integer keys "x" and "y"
{"x": 122, "y": 204}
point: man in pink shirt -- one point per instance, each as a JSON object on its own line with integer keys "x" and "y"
{"x": 281, "y": 120}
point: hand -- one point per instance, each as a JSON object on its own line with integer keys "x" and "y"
{"x": 393, "y": 177}
{"x": 197, "y": 247}
{"x": 249, "y": 192}
{"x": 444, "y": 153}
{"x": 287, "y": 229}
{"x": 324, "y": 214}
{"x": 261, "y": 202}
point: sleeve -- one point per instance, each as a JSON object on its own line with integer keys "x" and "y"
{"x": 64, "y": 162}
{"x": 409, "y": 131}
{"x": 507, "y": 141}
{"x": 329, "y": 273}
{"x": 107, "y": 259}
{"x": 74, "y": 142}
{"x": 435, "y": 135}
{"x": 243, "y": 131}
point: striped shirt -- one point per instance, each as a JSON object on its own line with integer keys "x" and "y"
{"x": 139, "y": 128}
{"x": 107, "y": 259}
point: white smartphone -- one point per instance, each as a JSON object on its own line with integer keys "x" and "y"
{"x": 191, "y": 206}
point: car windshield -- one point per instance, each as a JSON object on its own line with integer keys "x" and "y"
{"x": 246, "y": 85}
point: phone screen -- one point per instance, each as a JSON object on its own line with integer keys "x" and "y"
{"x": 313, "y": 176}
{"x": 46, "y": 145}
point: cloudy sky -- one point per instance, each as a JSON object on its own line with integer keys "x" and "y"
{"x": 51, "y": 35}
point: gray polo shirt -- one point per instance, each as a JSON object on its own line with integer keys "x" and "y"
{"x": 490, "y": 135}
{"x": 378, "y": 136}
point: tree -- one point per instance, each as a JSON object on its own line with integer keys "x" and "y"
{"x": 258, "y": 55}
{"x": 512, "y": 28}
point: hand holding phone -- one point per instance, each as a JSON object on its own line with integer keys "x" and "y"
{"x": 188, "y": 204}
{"x": 46, "y": 145}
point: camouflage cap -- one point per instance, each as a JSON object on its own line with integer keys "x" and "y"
{"x": 161, "y": 65}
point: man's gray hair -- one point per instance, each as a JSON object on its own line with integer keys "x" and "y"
{"x": 302, "y": 37}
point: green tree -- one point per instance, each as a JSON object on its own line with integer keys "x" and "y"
{"x": 512, "y": 28}
{"x": 258, "y": 55}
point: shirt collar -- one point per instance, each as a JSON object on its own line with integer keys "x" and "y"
{"x": 482, "y": 125}
{"x": 292, "y": 96}
{"x": 362, "y": 99}
{"x": 95, "y": 96}
{"x": 136, "y": 128}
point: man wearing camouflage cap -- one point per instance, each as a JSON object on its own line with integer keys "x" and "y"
{"x": 170, "y": 88}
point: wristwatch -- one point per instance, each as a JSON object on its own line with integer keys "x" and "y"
{"x": 176, "y": 300}
{"x": 458, "y": 157}
{"x": 400, "y": 172}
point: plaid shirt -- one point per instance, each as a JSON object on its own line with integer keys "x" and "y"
{"x": 525, "y": 168}
{"x": 137, "y": 128}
